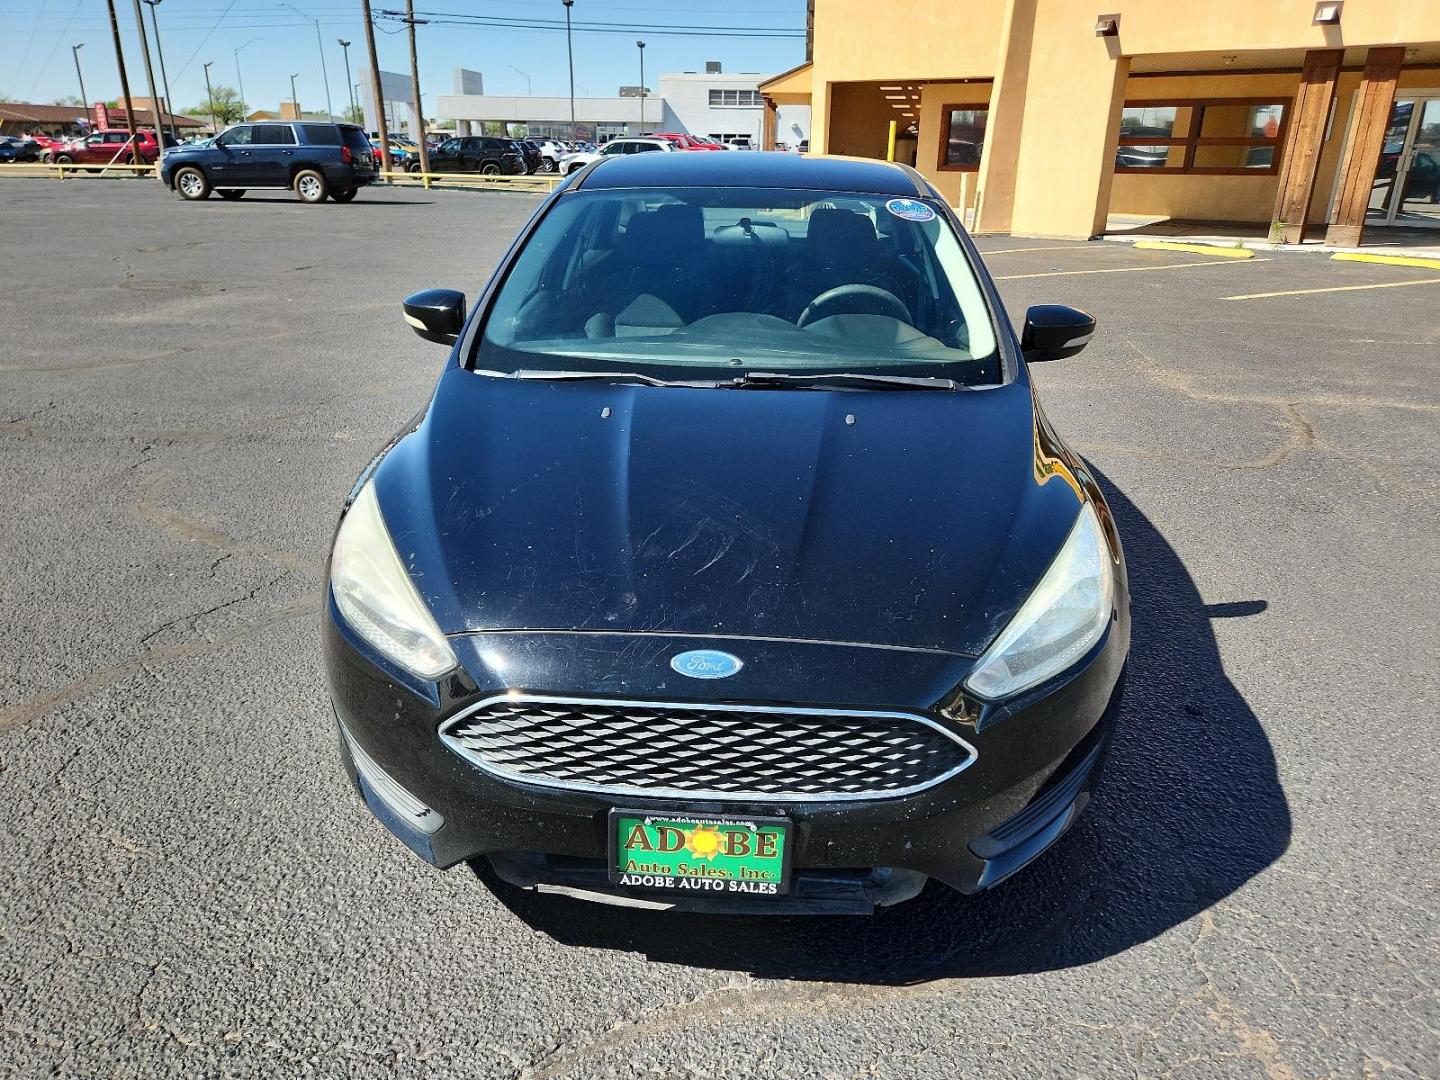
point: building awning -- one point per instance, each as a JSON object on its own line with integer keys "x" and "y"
{"x": 789, "y": 87}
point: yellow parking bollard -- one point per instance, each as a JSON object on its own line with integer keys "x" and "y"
{"x": 890, "y": 146}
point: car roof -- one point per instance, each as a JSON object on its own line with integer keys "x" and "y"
{"x": 772, "y": 169}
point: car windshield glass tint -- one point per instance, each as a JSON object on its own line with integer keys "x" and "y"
{"x": 697, "y": 283}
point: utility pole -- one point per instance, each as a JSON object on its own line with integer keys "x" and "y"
{"x": 375, "y": 86}
{"x": 641, "y": 46}
{"x": 324, "y": 73}
{"x": 164, "y": 79}
{"x": 154, "y": 91}
{"x": 570, "y": 56}
{"x": 239, "y": 81}
{"x": 410, "y": 21}
{"x": 345, "y": 45}
{"x": 75, "y": 52}
{"x": 124, "y": 79}
{"x": 210, "y": 97}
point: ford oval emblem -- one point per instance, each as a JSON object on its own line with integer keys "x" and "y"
{"x": 706, "y": 664}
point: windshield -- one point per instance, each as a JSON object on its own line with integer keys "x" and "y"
{"x": 698, "y": 283}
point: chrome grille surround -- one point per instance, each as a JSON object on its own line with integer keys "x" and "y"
{"x": 702, "y": 750}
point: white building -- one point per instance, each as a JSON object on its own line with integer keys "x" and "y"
{"x": 721, "y": 106}
{"x": 726, "y": 107}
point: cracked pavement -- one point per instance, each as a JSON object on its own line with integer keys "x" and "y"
{"x": 188, "y": 391}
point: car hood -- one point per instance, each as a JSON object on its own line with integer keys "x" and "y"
{"x": 913, "y": 519}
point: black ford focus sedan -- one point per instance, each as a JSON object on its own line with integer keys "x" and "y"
{"x": 733, "y": 564}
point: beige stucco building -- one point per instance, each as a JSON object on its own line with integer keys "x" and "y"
{"x": 1043, "y": 117}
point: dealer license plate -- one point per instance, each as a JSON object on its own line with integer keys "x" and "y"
{"x": 698, "y": 855}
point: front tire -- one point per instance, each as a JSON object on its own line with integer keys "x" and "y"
{"x": 311, "y": 186}
{"x": 348, "y": 195}
{"x": 192, "y": 184}
{"x": 230, "y": 193}
{"x": 64, "y": 159}
{"x": 549, "y": 165}
{"x": 413, "y": 167}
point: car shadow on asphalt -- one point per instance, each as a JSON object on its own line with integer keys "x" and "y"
{"x": 1189, "y": 809}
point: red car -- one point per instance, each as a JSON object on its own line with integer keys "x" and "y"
{"x": 684, "y": 142}
{"x": 103, "y": 147}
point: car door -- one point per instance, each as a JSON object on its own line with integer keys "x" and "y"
{"x": 272, "y": 152}
{"x": 446, "y": 157}
{"x": 231, "y": 160}
{"x": 472, "y": 150}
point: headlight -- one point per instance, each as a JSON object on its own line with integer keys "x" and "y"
{"x": 376, "y": 596}
{"x": 1059, "y": 622}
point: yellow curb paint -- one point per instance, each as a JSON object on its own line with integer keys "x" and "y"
{"x": 1386, "y": 260}
{"x": 1110, "y": 270}
{"x": 1336, "y": 288}
{"x": 1196, "y": 249}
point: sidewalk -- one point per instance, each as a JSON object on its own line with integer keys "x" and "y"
{"x": 1409, "y": 242}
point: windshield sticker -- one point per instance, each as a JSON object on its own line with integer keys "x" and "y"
{"x": 910, "y": 210}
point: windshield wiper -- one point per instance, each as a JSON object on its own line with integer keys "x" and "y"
{"x": 600, "y": 376}
{"x": 753, "y": 380}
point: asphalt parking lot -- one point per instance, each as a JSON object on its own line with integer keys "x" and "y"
{"x": 187, "y": 392}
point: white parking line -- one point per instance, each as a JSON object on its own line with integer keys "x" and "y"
{"x": 1335, "y": 288}
{"x": 1129, "y": 269}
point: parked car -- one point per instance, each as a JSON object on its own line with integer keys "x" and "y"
{"x": 682, "y": 142}
{"x": 614, "y": 148}
{"x": 828, "y": 608}
{"x": 8, "y": 153}
{"x": 485, "y": 154}
{"x": 111, "y": 145}
{"x": 551, "y": 151}
{"x": 315, "y": 160}
{"x": 25, "y": 147}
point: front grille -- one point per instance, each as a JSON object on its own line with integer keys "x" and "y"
{"x": 692, "y": 750}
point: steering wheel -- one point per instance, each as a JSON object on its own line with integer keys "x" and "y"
{"x": 854, "y": 300}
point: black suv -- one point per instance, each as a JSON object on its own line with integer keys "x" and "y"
{"x": 316, "y": 160}
{"x": 478, "y": 153}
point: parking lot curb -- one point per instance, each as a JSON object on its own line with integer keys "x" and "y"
{"x": 1386, "y": 260}
{"x": 1219, "y": 250}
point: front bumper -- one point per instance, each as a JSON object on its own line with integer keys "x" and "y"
{"x": 1037, "y": 761}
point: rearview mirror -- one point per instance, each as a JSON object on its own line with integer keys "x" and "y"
{"x": 436, "y": 314}
{"x": 1053, "y": 332}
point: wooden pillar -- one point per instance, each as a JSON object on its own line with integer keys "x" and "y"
{"x": 1357, "y": 171}
{"x": 1301, "y": 154}
{"x": 767, "y": 124}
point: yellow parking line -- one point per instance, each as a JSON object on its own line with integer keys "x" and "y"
{"x": 1219, "y": 251}
{"x": 1386, "y": 260}
{"x": 1116, "y": 270}
{"x": 1335, "y": 288}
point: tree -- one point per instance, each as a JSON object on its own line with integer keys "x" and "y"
{"x": 69, "y": 99}
{"x": 228, "y": 107}
{"x": 355, "y": 114}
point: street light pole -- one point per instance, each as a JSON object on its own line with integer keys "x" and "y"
{"x": 210, "y": 97}
{"x": 164, "y": 79}
{"x": 294, "y": 100}
{"x": 154, "y": 92}
{"x": 529, "y": 88}
{"x": 345, "y": 45}
{"x": 239, "y": 81}
{"x": 124, "y": 78}
{"x": 641, "y": 46}
{"x": 411, "y": 21}
{"x": 329, "y": 109}
{"x": 570, "y": 56}
{"x": 75, "y": 52}
{"x": 377, "y": 89}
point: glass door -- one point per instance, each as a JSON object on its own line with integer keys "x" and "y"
{"x": 1407, "y": 181}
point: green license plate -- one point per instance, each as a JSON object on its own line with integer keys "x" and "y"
{"x": 697, "y": 855}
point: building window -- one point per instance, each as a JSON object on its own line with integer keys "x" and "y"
{"x": 962, "y": 136}
{"x": 742, "y": 98}
{"x": 1223, "y": 136}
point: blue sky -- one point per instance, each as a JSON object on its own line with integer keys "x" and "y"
{"x": 37, "y": 64}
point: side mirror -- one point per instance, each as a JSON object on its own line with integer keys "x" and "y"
{"x": 1053, "y": 332}
{"x": 436, "y": 314}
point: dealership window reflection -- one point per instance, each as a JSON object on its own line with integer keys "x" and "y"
{"x": 962, "y": 136}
